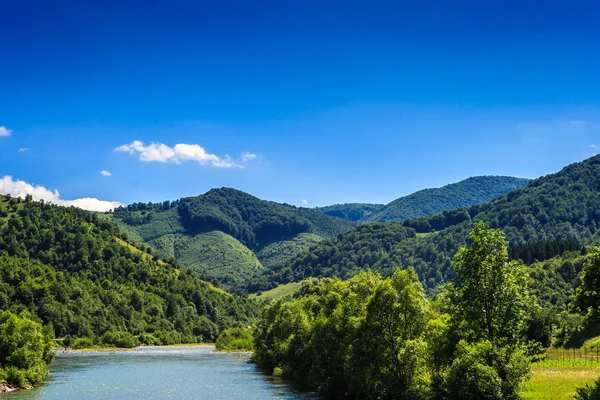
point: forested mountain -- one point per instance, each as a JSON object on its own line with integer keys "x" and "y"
{"x": 351, "y": 211}
{"x": 220, "y": 234}
{"x": 77, "y": 273}
{"x": 475, "y": 190}
{"x": 558, "y": 211}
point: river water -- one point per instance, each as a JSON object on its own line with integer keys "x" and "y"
{"x": 158, "y": 373}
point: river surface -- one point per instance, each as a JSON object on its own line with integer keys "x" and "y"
{"x": 158, "y": 373}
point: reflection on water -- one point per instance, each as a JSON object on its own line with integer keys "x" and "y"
{"x": 158, "y": 373}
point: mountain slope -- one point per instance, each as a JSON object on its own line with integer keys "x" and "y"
{"x": 75, "y": 271}
{"x": 220, "y": 234}
{"x": 351, "y": 211}
{"x": 559, "y": 207}
{"x": 475, "y": 190}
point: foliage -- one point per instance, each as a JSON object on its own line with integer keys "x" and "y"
{"x": 589, "y": 392}
{"x": 561, "y": 207}
{"x": 587, "y": 298}
{"x": 490, "y": 293}
{"x": 212, "y": 255}
{"x": 475, "y": 190}
{"x": 254, "y": 222}
{"x": 277, "y": 254}
{"x": 235, "y": 339}
{"x": 342, "y": 336}
{"x": 351, "y": 211}
{"x": 370, "y": 337}
{"x": 25, "y": 349}
{"x": 369, "y": 246}
{"x": 199, "y": 231}
{"x": 71, "y": 270}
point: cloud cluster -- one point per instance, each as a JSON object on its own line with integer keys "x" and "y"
{"x": 105, "y": 173}
{"x": 4, "y": 131}
{"x": 159, "y": 152}
{"x": 20, "y": 188}
{"x": 248, "y": 157}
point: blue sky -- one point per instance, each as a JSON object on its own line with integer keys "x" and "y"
{"x": 339, "y": 102}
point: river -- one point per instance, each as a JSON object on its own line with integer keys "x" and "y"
{"x": 158, "y": 373}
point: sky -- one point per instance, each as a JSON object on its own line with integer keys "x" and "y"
{"x": 309, "y": 103}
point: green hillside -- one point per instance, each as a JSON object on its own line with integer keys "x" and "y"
{"x": 222, "y": 258}
{"x": 558, "y": 211}
{"x": 351, "y": 211}
{"x": 74, "y": 271}
{"x": 223, "y": 233}
{"x": 475, "y": 190}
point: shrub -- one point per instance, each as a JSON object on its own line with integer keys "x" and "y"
{"x": 589, "y": 392}
{"x": 25, "y": 349}
{"x": 235, "y": 339}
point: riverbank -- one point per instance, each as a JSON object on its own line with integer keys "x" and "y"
{"x": 5, "y": 388}
{"x": 68, "y": 350}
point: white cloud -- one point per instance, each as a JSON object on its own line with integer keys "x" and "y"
{"x": 19, "y": 188}
{"x": 594, "y": 146}
{"x": 22, "y": 149}
{"x": 305, "y": 202}
{"x": 248, "y": 157}
{"x": 105, "y": 173}
{"x": 159, "y": 152}
{"x": 577, "y": 123}
{"x": 4, "y": 131}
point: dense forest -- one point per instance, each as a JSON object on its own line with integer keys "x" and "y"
{"x": 226, "y": 234}
{"x": 475, "y": 190}
{"x": 552, "y": 214}
{"x": 75, "y": 272}
{"x": 375, "y": 338}
{"x": 351, "y": 211}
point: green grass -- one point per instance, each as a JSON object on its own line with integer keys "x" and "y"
{"x": 279, "y": 291}
{"x": 557, "y": 382}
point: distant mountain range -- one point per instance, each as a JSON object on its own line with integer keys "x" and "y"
{"x": 236, "y": 238}
{"x": 550, "y": 215}
{"x": 475, "y": 190}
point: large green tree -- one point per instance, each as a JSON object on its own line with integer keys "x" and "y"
{"x": 25, "y": 349}
{"x": 490, "y": 292}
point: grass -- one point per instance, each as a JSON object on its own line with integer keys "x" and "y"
{"x": 279, "y": 291}
{"x": 558, "y": 378}
{"x": 557, "y": 382}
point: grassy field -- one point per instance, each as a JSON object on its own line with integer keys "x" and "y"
{"x": 556, "y": 379}
{"x": 279, "y": 291}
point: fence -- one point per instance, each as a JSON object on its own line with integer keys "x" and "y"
{"x": 586, "y": 356}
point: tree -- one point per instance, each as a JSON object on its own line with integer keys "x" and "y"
{"x": 587, "y": 297}
{"x": 490, "y": 293}
{"x": 25, "y": 349}
{"x": 490, "y": 301}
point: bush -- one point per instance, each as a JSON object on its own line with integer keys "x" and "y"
{"x": 484, "y": 371}
{"x": 235, "y": 339}
{"x": 589, "y": 392}
{"x": 82, "y": 343}
{"x": 25, "y": 349}
{"x": 120, "y": 339}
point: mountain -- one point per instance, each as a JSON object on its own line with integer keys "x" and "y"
{"x": 226, "y": 234}
{"x": 76, "y": 272}
{"x": 475, "y": 190}
{"x": 558, "y": 212}
{"x": 351, "y": 211}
